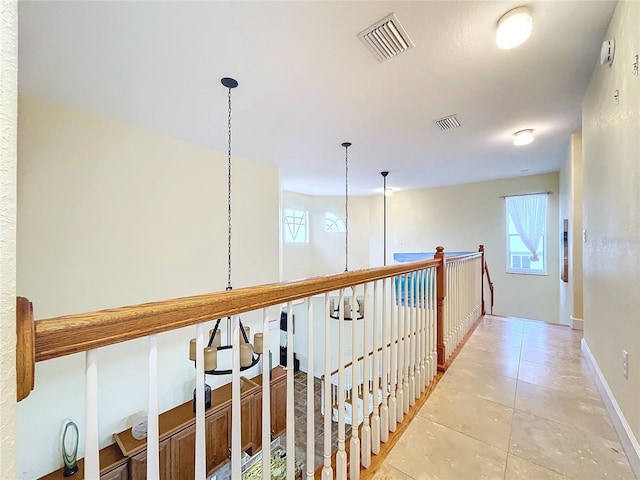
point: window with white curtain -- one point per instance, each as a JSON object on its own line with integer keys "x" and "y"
{"x": 526, "y": 234}
{"x": 296, "y": 226}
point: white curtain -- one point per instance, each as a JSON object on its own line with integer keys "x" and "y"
{"x": 529, "y": 214}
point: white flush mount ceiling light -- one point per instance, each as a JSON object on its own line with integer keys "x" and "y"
{"x": 523, "y": 137}
{"x": 514, "y": 27}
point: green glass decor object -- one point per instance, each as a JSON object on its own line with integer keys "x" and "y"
{"x": 70, "y": 448}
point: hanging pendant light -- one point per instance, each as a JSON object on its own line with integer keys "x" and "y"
{"x": 249, "y": 354}
{"x": 334, "y": 311}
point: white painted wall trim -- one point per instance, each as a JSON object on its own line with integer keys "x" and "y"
{"x": 628, "y": 440}
{"x": 577, "y": 323}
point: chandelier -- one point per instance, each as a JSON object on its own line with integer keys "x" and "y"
{"x": 334, "y": 311}
{"x": 249, "y": 353}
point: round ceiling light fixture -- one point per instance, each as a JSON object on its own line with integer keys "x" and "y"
{"x": 514, "y": 27}
{"x": 523, "y": 137}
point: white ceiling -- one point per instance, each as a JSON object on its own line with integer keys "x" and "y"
{"x": 307, "y": 83}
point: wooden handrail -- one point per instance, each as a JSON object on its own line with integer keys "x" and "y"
{"x": 486, "y": 269}
{"x": 65, "y": 335}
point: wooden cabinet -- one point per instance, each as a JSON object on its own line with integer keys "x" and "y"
{"x": 178, "y": 432}
{"x": 138, "y": 463}
{"x": 278, "y": 406}
{"x": 127, "y": 458}
{"x": 118, "y": 473}
{"x": 177, "y": 429}
{"x": 218, "y": 440}
{"x": 256, "y": 429}
{"x": 246, "y": 421}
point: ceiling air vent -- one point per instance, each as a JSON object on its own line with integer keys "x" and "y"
{"x": 448, "y": 123}
{"x": 386, "y": 38}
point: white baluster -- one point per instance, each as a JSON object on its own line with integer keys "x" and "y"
{"x": 327, "y": 470}
{"x": 433, "y": 323}
{"x": 153, "y": 439}
{"x": 291, "y": 412}
{"x": 384, "y": 384}
{"x": 411, "y": 400}
{"x": 341, "y": 455}
{"x": 393, "y": 402}
{"x": 375, "y": 418}
{"x": 266, "y": 397}
{"x": 354, "y": 444}
{"x": 424, "y": 366}
{"x": 200, "y": 459}
{"x": 311, "y": 439}
{"x": 419, "y": 367}
{"x": 405, "y": 347}
{"x": 236, "y": 420}
{"x": 91, "y": 443}
{"x": 365, "y": 446}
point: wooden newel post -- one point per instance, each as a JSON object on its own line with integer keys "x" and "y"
{"x": 25, "y": 348}
{"x": 441, "y": 285}
{"x": 481, "y": 250}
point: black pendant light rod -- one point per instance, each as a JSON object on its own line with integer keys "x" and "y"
{"x": 346, "y": 146}
{"x": 384, "y": 210}
{"x": 230, "y": 83}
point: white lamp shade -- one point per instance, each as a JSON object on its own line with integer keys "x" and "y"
{"x": 192, "y": 349}
{"x": 258, "y": 343}
{"x": 514, "y": 27}
{"x": 210, "y": 358}
{"x": 246, "y": 354}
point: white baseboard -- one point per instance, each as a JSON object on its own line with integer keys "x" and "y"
{"x": 628, "y": 440}
{"x": 577, "y": 323}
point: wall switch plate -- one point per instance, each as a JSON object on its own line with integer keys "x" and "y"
{"x": 625, "y": 363}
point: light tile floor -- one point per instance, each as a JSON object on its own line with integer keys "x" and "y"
{"x": 518, "y": 403}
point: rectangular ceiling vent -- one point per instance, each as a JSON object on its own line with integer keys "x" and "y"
{"x": 386, "y": 38}
{"x": 448, "y": 123}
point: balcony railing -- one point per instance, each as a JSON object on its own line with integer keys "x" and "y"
{"x": 373, "y": 370}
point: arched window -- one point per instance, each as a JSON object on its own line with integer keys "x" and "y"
{"x": 333, "y": 223}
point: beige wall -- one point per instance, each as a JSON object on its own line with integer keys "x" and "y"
{"x": 565, "y": 212}
{"x": 461, "y": 217}
{"x": 576, "y": 240}
{"x": 8, "y": 185}
{"x": 571, "y": 209}
{"x": 612, "y": 214}
{"x": 325, "y": 252}
{"x": 111, "y": 215}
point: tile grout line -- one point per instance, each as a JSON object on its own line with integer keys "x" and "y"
{"x": 513, "y": 411}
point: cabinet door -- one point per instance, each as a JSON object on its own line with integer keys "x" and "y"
{"x": 278, "y": 407}
{"x": 118, "y": 473}
{"x": 183, "y": 446}
{"x": 246, "y": 410}
{"x": 138, "y": 463}
{"x": 217, "y": 439}
{"x": 183, "y": 453}
{"x": 257, "y": 422}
